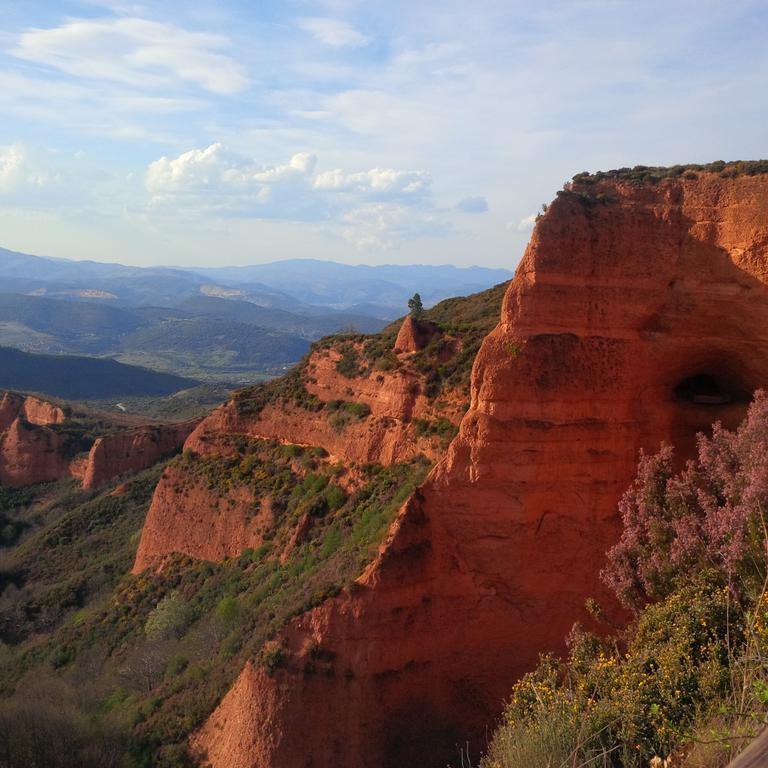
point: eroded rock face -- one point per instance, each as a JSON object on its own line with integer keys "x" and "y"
{"x": 638, "y": 314}
{"x": 187, "y": 517}
{"x": 30, "y": 451}
{"x": 41, "y": 412}
{"x": 414, "y": 335}
{"x": 133, "y": 450}
{"x": 31, "y": 454}
{"x": 36, "y": 446}
{"x": 190, "y": 517}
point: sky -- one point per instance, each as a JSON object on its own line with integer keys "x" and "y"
{"x": 420, "y": 131}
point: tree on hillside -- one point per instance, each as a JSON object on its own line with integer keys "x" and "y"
{"x": 415, "y": 307}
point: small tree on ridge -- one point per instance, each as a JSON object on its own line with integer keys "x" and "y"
{"x": 415, "y": 307}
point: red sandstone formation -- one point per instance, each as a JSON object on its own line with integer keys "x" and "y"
{"x": 31, "y": 409}
{"x": 194, "y": 521}
{"x": 414, "y": 335}
{"x": 33, "y": 451}
{"x": 387, "y": 436}
{"x": 638, "y": 314}
{"x": 30, "y": 452}
{"x": 42, "y": 413}
{"x": 220, "y": 526}
{"x": 131, "y": 451}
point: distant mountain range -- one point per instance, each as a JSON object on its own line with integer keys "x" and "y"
{"x": 217, "y": 324}
{"x": 385, "y": 288}
{"x": 300, "y": 286}
{"x": 175, "y": 340}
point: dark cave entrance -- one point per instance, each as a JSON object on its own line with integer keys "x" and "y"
{"x": 710, "y": 389}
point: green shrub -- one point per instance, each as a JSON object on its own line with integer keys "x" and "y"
{"x": 634, "y": 705}
{"x": 348, "y": 364}
{"x": 170, "y": 618}
{"x": 228, "y": 612}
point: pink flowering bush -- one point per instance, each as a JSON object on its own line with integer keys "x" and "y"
{"x": 709, "y": 517}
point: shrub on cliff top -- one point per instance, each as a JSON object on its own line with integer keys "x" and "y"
{"x": 652, "y": 174}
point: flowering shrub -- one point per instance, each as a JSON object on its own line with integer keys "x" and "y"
{"x": 710, "y": 516}
{"x": 605, "y": 707}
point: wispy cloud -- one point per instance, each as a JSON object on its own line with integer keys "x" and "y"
{"x": 333, "y": 32}
{"x": 135, "y": 52}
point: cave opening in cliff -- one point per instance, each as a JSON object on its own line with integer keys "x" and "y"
{"x": 708, "y": 389}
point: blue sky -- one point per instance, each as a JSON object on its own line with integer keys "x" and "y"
{"x": 397, "y": 132}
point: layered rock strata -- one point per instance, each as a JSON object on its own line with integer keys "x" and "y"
{"x": 132, "y": 450}
{"x": 188, "y": 517}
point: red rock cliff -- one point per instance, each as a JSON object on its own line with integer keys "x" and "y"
{"x": 130, "y": 451}
{"x": 182, "y": 511}
{"x": 30, "y": 451}
{"x": 639, "y": 313}
{"x": 33, "y": 448}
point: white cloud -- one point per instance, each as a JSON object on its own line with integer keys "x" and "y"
{"x": 19, "y": 173}
{"x": 376, "y": 208}
{"x": 384, "y": 226}
{"x": 378, "y": 182}
{"x": 216, "y": 170}
{"x": 333, "y": 32}
{"x": 135, "y": 52}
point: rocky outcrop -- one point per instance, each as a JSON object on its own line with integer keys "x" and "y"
{"x": 414, "y": 335}
{"x": 30, "y": 451}
{"x": 387, "y": 435}
{"x": 40, "y": 442}
{"x": 31, "y": 454}
{"x": 31, "y": 409}
{"x": 42, "y": 413}
{"x": 190, "y": 517}
{"x": 639, "y": 313}
{"x": 133, "y": 450}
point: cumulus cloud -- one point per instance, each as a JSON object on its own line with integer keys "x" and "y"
{"x": 19, "y": 173}
{"x": 134, "y": 52}
{"x": 375, "y": 208}
{"x": 333, "y": 32}
{"x": 217, "y": 169}
{"x": 476, "y": 204}
{"x": 378, "y": 182}
{"x": 219, "y": 182}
